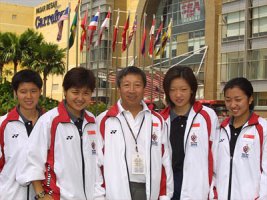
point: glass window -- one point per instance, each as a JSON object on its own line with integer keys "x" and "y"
{"x": 260, "y": 98}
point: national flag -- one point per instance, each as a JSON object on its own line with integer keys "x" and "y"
{"x": 93, "y": 26}
{"x": 157, "y": 38}
{"x": 143, "y": 45}
{"x": 133, "y": 31}
{"x": 84, "y": 30}
{"x": 105, "y": 25}
{"x": 164, "y": 39}
{"x": 60, "y": 23}
{"x": 115, "y": 33}
{"x": 74, "y": 26}
{"x": 152, "y": 38}
{"x": 124, "y": 33}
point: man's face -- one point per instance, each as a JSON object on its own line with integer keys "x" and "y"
{"x": 131, "y": 90}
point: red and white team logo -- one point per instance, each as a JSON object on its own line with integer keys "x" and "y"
{"x": 93, "y": 145}
{"x": 154, "y": 138}
{"x": 246, "y": 150}
{"x": 193, "y": 139}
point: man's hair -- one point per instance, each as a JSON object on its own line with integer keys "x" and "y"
{"x": 185, "y": 73}
{"x": 79, "y": 77}
{"x": 26, "y": 76}
{"x": 130, "y": 70}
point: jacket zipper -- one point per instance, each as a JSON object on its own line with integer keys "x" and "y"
{"x": 231, "y": 166}
{"x": 83, "y": 165}
{"x": 125, "y": 155}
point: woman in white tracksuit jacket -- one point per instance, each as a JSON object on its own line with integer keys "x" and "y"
{"x": 15, "y": 129}
{"x": 60, "y": 158}
{"x": 192, "y": 130}
{"x": 241, "y": 172}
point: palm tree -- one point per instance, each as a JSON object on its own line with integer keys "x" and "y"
{"x": 12, "y": 51}
{"x": 14, "y": 48}
{"x": 48, "y": 59}
{"x": 2, "y": 61}
{"x": 29, "y": 41}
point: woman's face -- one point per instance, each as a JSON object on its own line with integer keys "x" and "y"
{"x": 77, "y": 99}
{"x": 180, "y": 93}
{"x": 237, "y": 102}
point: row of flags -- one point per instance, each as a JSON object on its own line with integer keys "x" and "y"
{"x": 88, "y": 30}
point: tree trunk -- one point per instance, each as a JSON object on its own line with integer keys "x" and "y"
{"x": 1, "y": 72}
{"x": 44, "y": 87}
{"x": 15, "y": 67}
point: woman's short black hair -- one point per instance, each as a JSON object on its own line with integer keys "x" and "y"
{"x": 79, "y": 77}
{"x": 243, "y": 84}
{"x": 26, "y": 76}
{"x": 130, "y": 70}
{"x": 185, "y": 73}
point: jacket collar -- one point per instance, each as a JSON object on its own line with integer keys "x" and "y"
{"x": 64, "y": 117}
{"x": 253, "y": 120}
{"x": 166, "y": 112}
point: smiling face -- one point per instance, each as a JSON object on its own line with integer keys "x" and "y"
{"x": 237, "y": 102}
{"x": 180, "y": 94}
{"x": 77, "y": 99}
{"x": 28, "y": 96}
{"x": 131, "y": 91}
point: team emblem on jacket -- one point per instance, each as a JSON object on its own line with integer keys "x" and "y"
{"x": 93, "y": 148}
{"x": 246, "y": 150}
{"x": 154, "y": 138}
{"x": 193, "y": 140}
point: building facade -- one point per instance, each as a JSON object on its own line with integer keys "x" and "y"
{"x": 218, "y": 39}
{"x": 244, "y": 45}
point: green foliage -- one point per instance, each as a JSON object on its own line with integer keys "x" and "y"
{"x": 97, "y": 108}
{"x": 47, "y": 103}
{"x": 7, "y": 100}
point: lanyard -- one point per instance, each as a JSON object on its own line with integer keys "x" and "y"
{"x": 135, "y": 138}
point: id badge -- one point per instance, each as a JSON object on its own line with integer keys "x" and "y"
{"x": 138, "y": 164}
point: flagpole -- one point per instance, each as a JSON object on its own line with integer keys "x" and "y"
{"x": 144, "y": 41}
{"x": 98, "y": 60}
{"x": 108, "y": 58}
{"x": 77, "y": 34}
{"x": 170, "y": 45}
{"x": 88, "y": 42}
{"x": 116, "y": 66}
{"x": 127, "y": 35}
{"x": 152, "y": 68}
{"x": 68, "y": 35}
{"x": 86, "y": 37}
{"x": 134, "y": 49}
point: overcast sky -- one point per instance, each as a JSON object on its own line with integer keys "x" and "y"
{"x": 32, "y": 3}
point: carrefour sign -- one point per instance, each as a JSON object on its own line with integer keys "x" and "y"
{"x": 49, "y": 19}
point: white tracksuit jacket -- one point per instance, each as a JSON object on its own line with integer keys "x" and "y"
{"x": 159, "y": 178}
{"x": 199, "y": 150}
{"x": 61, "y": 158}
{"x": 248, "y": 165}
{"x": 13, "y": 138}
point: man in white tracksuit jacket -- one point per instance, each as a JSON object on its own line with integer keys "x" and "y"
{"x": 199, "y": 149}
{"x": 134, "y": 150}
{"x": 249, "y": 162}
{"x": 116, "y": 175}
